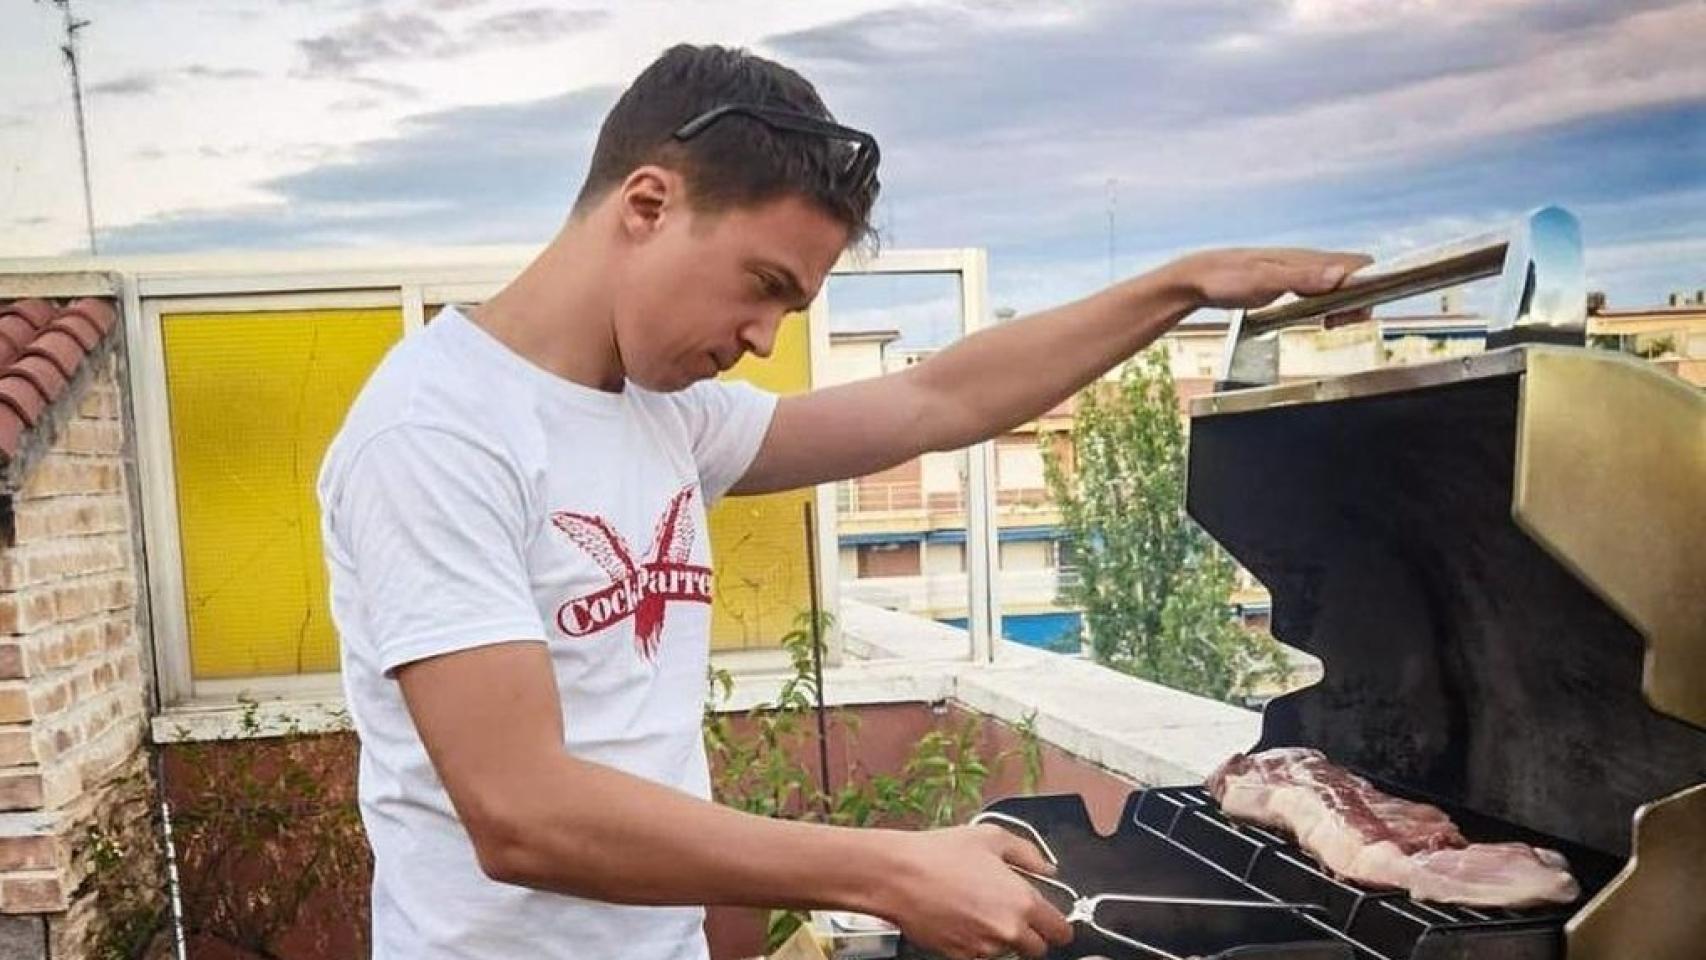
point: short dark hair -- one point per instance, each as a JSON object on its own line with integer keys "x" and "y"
{"x": 738, "y": 160}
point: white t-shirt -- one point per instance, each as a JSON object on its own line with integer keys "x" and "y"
{"x": 473, "y": 498}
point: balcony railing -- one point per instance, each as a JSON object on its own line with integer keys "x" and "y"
{"x": 858, "y": 497}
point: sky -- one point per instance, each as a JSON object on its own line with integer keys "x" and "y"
{"x": 1073, "y": 141}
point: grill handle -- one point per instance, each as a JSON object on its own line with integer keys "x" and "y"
{"x": 1542, "y": 292}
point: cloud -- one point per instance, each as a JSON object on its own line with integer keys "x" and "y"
{"x": 1253, "y": 120}
{"x": 379, "y": 37}
{"x": 355, "y": 104}
{"x": 390, "y": 88}
{"x": 1343, "y": 123}
{"x": 143, "y": 83}
{"x": 536, "y": 25}
{"x": 201, "y": 71}
{"x": 373, "y": 37}
{"x": 130, "y": 85}
{"x": 925, "y": 314}
{"x": 1086, "y": 86}
{"x": 485, "y": 174}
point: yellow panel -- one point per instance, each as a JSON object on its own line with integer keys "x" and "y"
{"x": 255, "y": 398}
{"x": 759, "y": 544}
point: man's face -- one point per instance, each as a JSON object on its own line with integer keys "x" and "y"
{"x": 704, "y": 289}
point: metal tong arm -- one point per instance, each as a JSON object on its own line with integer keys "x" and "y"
{"x": 1543, "y": 289}
{"x": 1083, "y": 909}
{"x": 992, "y": 816}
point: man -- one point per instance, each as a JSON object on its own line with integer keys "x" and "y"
{"x": 514, "y": 517}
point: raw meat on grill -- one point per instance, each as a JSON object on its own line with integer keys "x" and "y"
{"x": 1494, "y": 875}
{"x": 1358, "y": 832}
{"x": 1378, "y": 840}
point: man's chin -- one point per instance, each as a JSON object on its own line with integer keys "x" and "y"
{"x": 670, "y": 383}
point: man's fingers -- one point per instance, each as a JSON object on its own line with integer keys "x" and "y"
{"x": 1030, "y": 945}
{"x": 1047, "y": 920}
{"x": 1340, "y": 266}
{"x": 1024, "y": 854}
{"x": 1313, "y": 276}
{"x": 1312, "y": 279}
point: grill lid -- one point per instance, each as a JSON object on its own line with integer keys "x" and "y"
{"x": 1496, "y": 560}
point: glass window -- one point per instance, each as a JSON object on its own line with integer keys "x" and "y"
{"x": 254, "y": 399}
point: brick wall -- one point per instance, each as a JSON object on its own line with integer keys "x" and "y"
{"x": 72, "y": 703}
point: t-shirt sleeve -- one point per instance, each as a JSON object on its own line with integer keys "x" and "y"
{"x": 435, "y": 526}
{"x": 728, "y": 420}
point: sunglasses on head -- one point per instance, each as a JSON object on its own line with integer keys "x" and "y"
{"x": 856, "y": 172}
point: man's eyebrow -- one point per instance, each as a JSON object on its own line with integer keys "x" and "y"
{"x": 791, "y": 284}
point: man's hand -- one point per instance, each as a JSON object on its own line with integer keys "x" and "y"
{"x": 956, "y": 894}
{"x": 1247, "y": 279}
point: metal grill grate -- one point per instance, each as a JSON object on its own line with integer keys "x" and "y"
{"x": 1380, "y": 925}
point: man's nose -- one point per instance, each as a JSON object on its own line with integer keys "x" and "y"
{"x": 759, "y": 337}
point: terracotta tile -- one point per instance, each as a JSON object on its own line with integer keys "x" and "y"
{"x": 81, "y": 328}
{"x": 42, "y": 346}
{"x": 60, "y": 348}
{"x": 39, "y": 313}
{"x": 17, "y": 331}
{"x": 43, "y": 373}
{"x": 99, "y": 312}
{"x": 22, "y": 397}
{"x": 12, "y": 430}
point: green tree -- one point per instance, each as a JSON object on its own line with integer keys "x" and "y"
{"x": 1155, "y": 589}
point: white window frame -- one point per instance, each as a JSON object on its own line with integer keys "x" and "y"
{"x": 156, "y": 286}
{"x": 971, "y": 265}
{"x": 157, "y": 473}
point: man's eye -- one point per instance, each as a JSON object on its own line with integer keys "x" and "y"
{"x": 768, "y": 285}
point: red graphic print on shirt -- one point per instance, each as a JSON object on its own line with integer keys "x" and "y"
{"x": 640, "y": 590}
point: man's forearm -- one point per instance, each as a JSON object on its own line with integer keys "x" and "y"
{"x": 591, "y": 831}
{"x": 1007, "y": 375}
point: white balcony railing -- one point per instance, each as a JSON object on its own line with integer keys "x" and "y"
{"x": 865, "y": 497}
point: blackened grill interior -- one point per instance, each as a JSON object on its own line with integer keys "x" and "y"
{"x": 1462, "y": 662}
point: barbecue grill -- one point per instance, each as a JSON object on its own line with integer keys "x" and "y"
{"x": 1495, "y": 558}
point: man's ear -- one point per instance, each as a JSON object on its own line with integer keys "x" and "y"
{"x": 646, "y": 197}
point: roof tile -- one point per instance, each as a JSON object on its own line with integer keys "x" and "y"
{"x": 43, "y": 373}
{"x": 17, "y": 332}
{"x": 82, "y": 328}
{"x": 61, "y": 348}
{"x": 39, "y": 313}
{"x": 19, "y": 394}
{"x": 42, "y": 347}
{"x": 99, "y": 312}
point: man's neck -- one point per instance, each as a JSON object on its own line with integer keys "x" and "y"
{"x": 557, "y": 312}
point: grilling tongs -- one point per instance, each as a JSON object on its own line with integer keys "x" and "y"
{"x": 1083, "y": 908}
